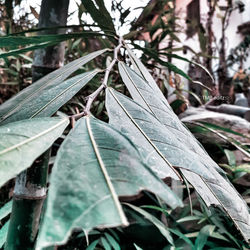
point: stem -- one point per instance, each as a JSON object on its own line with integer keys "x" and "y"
{"x": 93, "y": 96}
{"x": 30, "y": 187}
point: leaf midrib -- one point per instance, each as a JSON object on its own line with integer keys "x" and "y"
{"x": 105, "y": 173}
{"x": 64, "y": 91}
{"x": 32, "y": 138}
{"x": 147, "y": 138}
{"x": 10, "y": 112}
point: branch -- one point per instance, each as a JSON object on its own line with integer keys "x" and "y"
{"x": 93, "y": 96}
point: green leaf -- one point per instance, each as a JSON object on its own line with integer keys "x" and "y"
{"x": 104, "y": 165}
{"x": 213, "y": 188}
{"x": 3, "y": 233}
{"x": 92, "y": 245}
{"x": 230, "y": 157}
{"x": 144, "y": 130}
{"x": 159, "y": 144}
{"x": 137, "y": 248}
{"x": 112, "y": 241}
{"x": 162, "y": 228}
{"x": 33, "y": 92}
{"x": 99, "y": 14}
{"x": 51, "y": 98}
{"x": 5, "y": 210}
{"x": 105, "y": 244}
{"x": 16, "y": 41}
{"x": 181, "y": 236}
{"x": 155, "y": 56}
{"x": 202, "y": 237}
{"x": 29, "y": 138}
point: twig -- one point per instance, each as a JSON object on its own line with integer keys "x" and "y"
{"x": 93, "y": 96}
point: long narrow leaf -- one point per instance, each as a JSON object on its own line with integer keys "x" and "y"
{"x": 32, "y": 92}
{"x": 152, "y": 136}
{"x": 15, "y": 41}
{"x": 52, "y": 98}
{"x": 29, "y": 138}
{"x": 5, "y": 210}
{"x": 3, "y": 233}
{"x": 162, "y": 228}
{"x": 220, "y": 192}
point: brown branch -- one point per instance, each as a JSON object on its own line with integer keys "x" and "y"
{"x": 93, "y": 96}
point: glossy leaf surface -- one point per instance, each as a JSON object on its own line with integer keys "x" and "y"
{"x": 29, "y": 138}
{"x": 34, "y": 91}
{"x": 94, "y": 166}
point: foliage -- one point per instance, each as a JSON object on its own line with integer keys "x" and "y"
{"x": 99, "y": 165}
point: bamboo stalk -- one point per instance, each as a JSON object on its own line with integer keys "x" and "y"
{"x": 30, "y": 187}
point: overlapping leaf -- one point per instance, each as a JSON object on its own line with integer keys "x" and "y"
{"x": 29, "y": 138}
{"x": 152, "y": 137}
{"x": 45, "y": 94}
{"x": 146, "y": 93}
{"x": 95, "y": 165}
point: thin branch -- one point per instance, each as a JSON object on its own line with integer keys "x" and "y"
{"x": 93, "y": 96}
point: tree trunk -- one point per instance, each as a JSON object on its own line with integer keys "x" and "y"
{"x": 30, "y": 188}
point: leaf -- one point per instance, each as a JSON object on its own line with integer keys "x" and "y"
{"x": 105, "y": 244}
{"x": 172, "y": 67}
{"x": 3, "y": 233}
{"x": 162, "y": 228}
{"x": 142, "y": 92}
{"x": 23, "y": 98}
{"x": 181, "y": 236}
{"x": 92, "y": 245}
{"x": 137, "y": 248}
{"x": 29, "y": 138}
{"x": 230, "y": 157}
{"x": 5, "y": 210}
{"x": 112, "y": 241}
{"x": 99, "y": 14}
{"x": 51, "y": 98}
{"x": 104, "y": 165}
{"x": 202, "y": 237}
{"x": 214, "y": 189}
{"x": 153, "y": 138}
{"x": 154, "y": 55}
{"x": 16, "y": 41}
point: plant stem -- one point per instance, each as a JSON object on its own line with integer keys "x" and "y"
{"x": 30, "y": 188}
{"x": 93, "y": 96}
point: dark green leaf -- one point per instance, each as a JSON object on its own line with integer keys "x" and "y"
{"x": 16, "y": 41}
{"x": 92, "y": 245}
{"x": 100, "y": 15}
{"x": 202, "y": 237}
{"x": 162, "y": 228}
